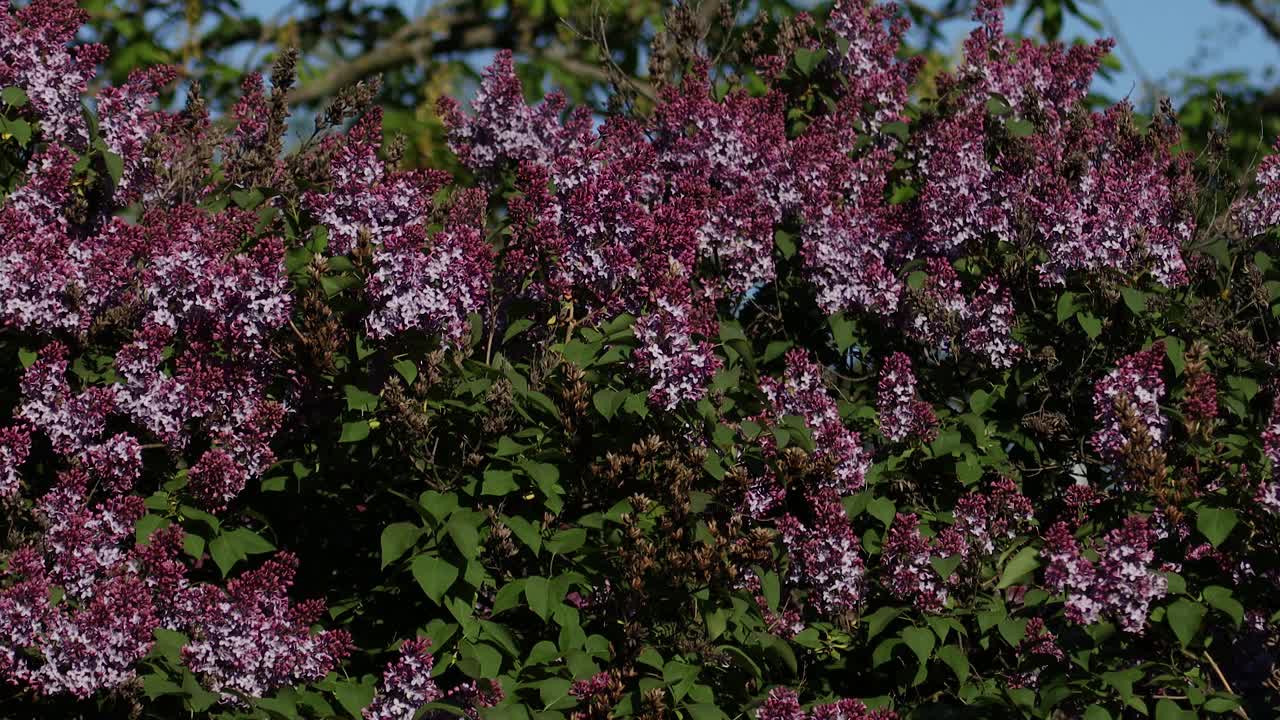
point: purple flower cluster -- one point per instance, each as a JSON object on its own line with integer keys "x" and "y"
{"x": 903, "y": 414}
{"x": 1121, "y": 584}
{"x": 1135, "y": 380}
{"x": 406, "y": 684}
{"x": 941, "y": 317}
{"x": 907, "y": 571}
{"x": 1259, "y": 212}
{"x": 784, "y": 704}
{"x": 802, "y": 392}
{"x": 34, "y": 57}
{"x": 826, "y": 555}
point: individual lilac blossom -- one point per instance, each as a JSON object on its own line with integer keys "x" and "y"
{"x": 907, "y": 572}
{"x": 34, "y": 56}
{"x": 406, "y": 684}
{"x": 369, "y": 198}
{"x": 249, "y": 640}
{"x": 679, "y": 363}
{"x": 826, "y": 555}
{"x": 903, "y": 414}
{"x": 1137, "y": 380}
{"x": 433, "y": 290}
{"x": 803, "y": 393}
{"x": 1121, "y": 584}
{"x": 15, "y": 445}
{"x": 784, "y": 704}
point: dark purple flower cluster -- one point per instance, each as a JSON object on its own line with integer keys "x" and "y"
{"x": 1121, "y": 584}
{"x": 784, "y": 704}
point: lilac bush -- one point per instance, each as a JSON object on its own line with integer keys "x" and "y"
{"x": 815, "y": 389}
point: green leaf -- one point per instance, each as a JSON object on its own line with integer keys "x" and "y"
{"x": 1096, "y": 712}
{"x": 435, "y": 575}
{"x": 957, "y": 660}
{"x": 1066, "y": 306}
{"x": 946, "y": 566}
{"x": 1019, "y": 566}
{"x": 921, "y": 641}
{"x": 807, "y": 59}
{"x": 353, "y": 696}
{"x": 883, "y": 510}
{"x": 354, "y": 431}
{"x": 1176, "y": 350}
{"x": 1216, "y": 523}
{"x": 14, "y": 97}
{"x": 541, "y": 594}
{"x": 397, "y": 538}
{"x": 115, "y": 166}
{"x": 879, "y": 620}
{"x": 608, "y": 401}
{"x": 407, "y": 370}
{"x": 841, "y": 331}
{"x": 1091, "y": 325}
{"x": 1184, "y": 617}
{"x": 20, "y": 130}
{"x": 1136, "y": 300}
{"x": 464, "y": 534}
{"x": 1169, "y": 710}
{"x": 358, "y": 399}
{"x": 1020, "y": 128}
{"x": 498, "y": 482}
{"x": 516, "y": 327}
{"x": 1223, "y": 599}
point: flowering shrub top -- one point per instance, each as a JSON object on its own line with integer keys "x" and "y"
{"x": 811, "y": 393}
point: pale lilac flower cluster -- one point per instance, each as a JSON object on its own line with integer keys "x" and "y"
{"x": 784, "y": 704}
{"x": 433, "y": 290}
{"x": 15, "y": 445}
{"x": 906, "y": 568}
{"x": 369, "y": 198}
{"x": 942, "y": 317}
{"x": 503, "y": 128}
{"x": 1122, "y": 584}
{"x": 250, "y": 640}
{"x": 802, "y": 392}
{"x": 34, "y": 56}
{"x": 406, "y": 684}
{"x": 1137, "y": 379}
{"x": 984, "y": 519}
{"x": 1260, "y": 211}
{"x": 903, "y": 414}
{"x": 128, "y": 123}
{"x": 676, "y": 357}
{"x": 826, "y": 555}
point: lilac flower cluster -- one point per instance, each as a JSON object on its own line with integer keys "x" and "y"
{"x": 406, "y": 684}
{"x": 903, "y": 414}
{"x": 940, "y": 316}
{"x": 1258, "y": 212}
{"x": 906, "y": 568}
{"x": 34, "y": 57}
{"x": 1121, "y": 584}
{"x": 1135, "y": 380}
{"x": 802, "y": 392}
{"x": 784, "y": 704}
{"x": 826, "y": 556}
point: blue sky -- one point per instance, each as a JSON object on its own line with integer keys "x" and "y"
{"x": 1158, "y": 40}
